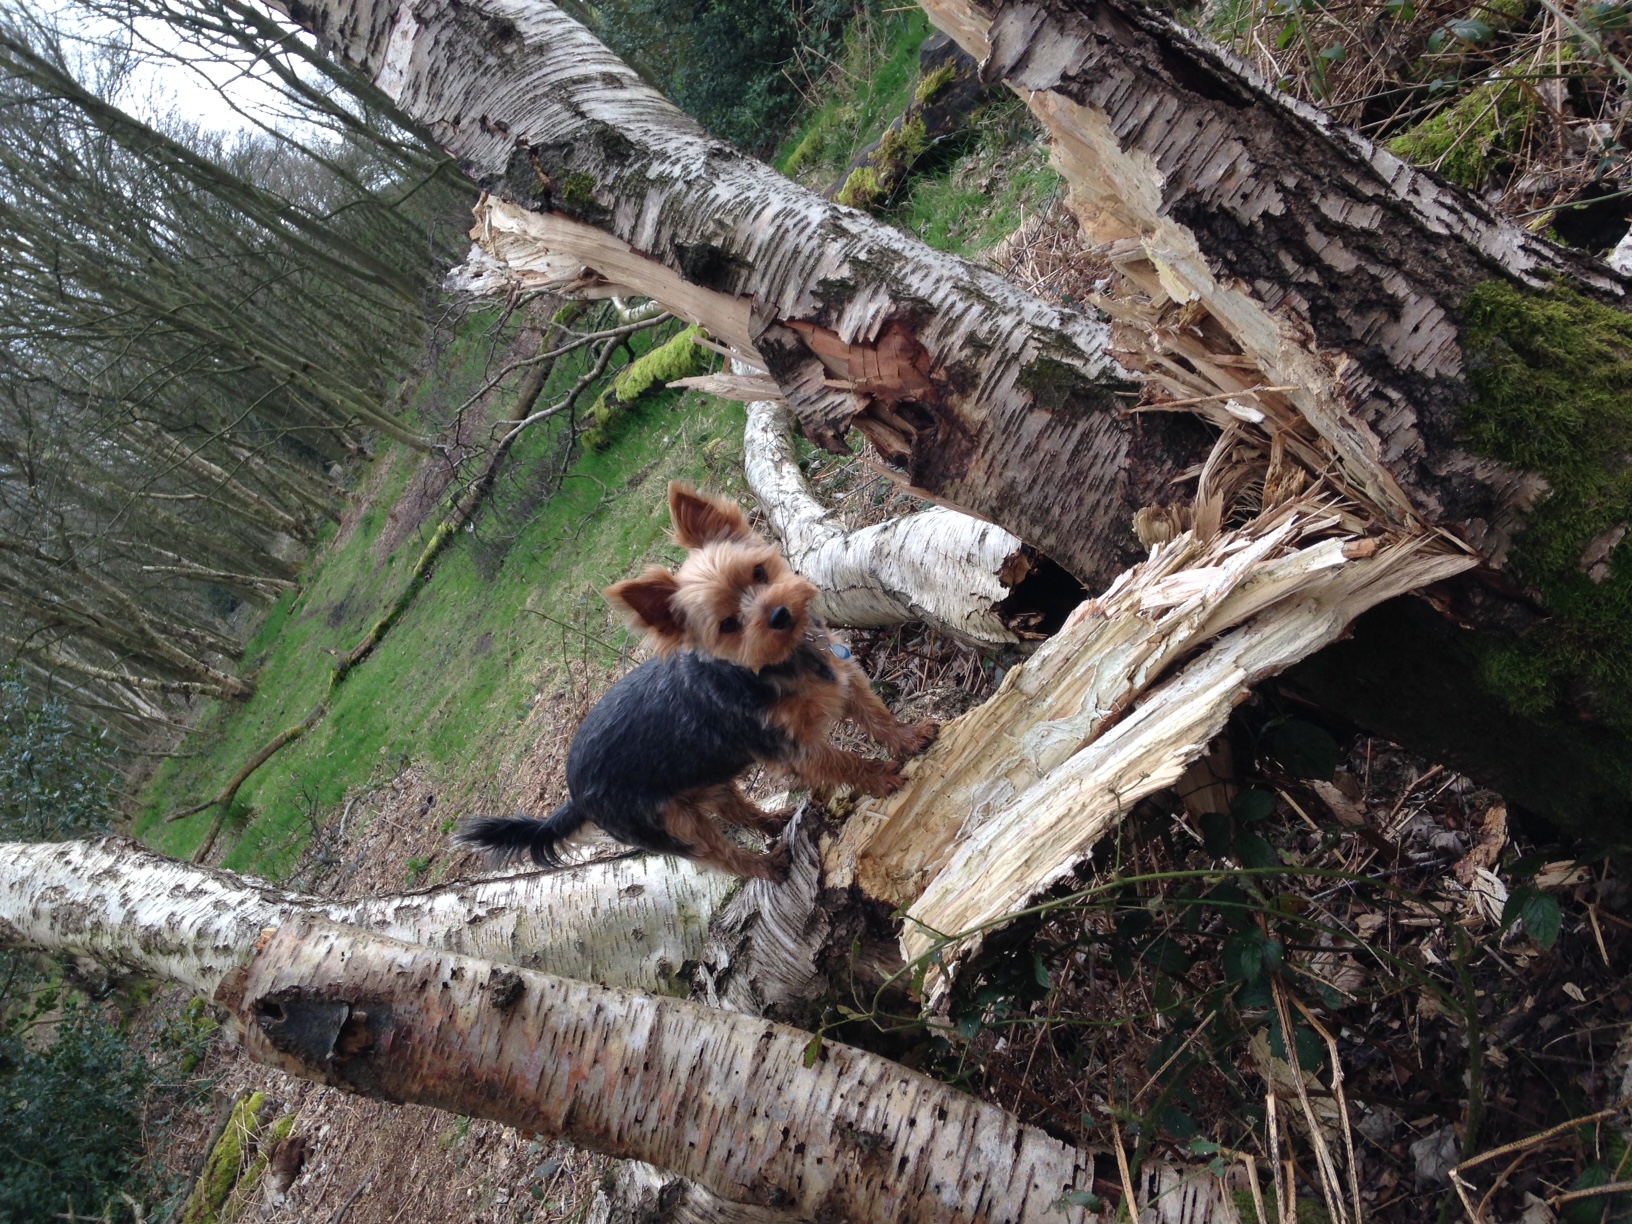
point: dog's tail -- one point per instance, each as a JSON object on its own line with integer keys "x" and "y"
{"x": 506, "y": 840}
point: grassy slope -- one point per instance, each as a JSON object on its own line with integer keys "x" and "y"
{"x": 454, "y": 679}
{"x": 969, "y": 193}
{"x": 452, "y": 684}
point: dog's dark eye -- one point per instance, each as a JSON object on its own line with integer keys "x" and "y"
{"x": 730, "y": 625}
{"x": 760, "y": 576}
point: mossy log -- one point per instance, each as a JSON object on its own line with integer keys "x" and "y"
{"x": 1456, "y": 370}
{"x": 948, "y": 89}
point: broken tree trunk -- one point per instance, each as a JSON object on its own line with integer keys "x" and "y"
{"x": 1366, "y": 314}
{"x": 1432, "y": 348}
{"x": 948, "y": 569}
{"x": 968, "y": 386}
{"x": 742, "y": 1106}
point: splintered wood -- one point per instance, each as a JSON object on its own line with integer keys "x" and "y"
{"x": 1014, "y": 794}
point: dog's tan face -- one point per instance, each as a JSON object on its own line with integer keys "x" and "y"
{"x": 733, "y": 597}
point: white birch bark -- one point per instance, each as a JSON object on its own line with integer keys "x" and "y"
{"x": 603, "y": 188}
{"x": 631, "y": 922}
{"x": 938, "y": 565}
{"x": 729, "y": 1101}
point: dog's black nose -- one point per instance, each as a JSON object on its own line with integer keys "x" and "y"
{"x": 780, "y": 618}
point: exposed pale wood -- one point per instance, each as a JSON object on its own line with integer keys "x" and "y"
{"x": 937, "y": 566}
{"x": 1330, "y": 263}
{"x": 1013, "y": 794}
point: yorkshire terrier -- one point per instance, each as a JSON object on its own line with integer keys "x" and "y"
{"x": 744, "y": 672}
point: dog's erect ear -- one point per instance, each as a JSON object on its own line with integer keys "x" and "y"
{"x": 700, "y": 520}
{"x": 647, "y": 601}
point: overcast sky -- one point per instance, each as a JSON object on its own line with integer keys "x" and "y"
{"x": 161, "y": 85}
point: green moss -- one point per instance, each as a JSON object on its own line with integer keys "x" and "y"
{"x": 861, "y": 190}
{"x": 933, "y": 83}
{"x": 1467, "y": 140}
{"x": 1551, "y": 381}
{"x": 221, "y": 1168}
{"x": 878, "y": 75}
{"x": 681, "y": 357}
{"x": 899, "y": 147}
{"x": 242, "y": 1192}
{"x": 1307, "y": 1210}
{"x": 807, "y": 152}
{"x": 1051, "y": 382}
{"x": 577, "y": 190}
{"x": 570, "y": 313}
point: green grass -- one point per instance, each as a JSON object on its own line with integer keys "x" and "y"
{"x": 873, "y": 82}
{"x": 452, "y": 683}
{"x": 980, "y": 183}
{"x": 973, "y": 201}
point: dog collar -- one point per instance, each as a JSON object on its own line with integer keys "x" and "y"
{"x": 839, "y": 649}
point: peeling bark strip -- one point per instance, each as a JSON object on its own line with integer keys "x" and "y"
{"x": 939, "y": 566}
{"x": 969, "y": 385}
{"x": 1330, "y": 263}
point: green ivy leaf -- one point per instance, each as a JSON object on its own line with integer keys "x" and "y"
{"x": 1335, "y": 54}
{"x": 1462, "y": 29}
{"x": 1251, "y": 806}
{"x": 813, "y": 1050}
{"x": 1305, "y": 749}
{"x": 1215, "y": 833}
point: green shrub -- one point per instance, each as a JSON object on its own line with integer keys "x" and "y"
{"x": 54, "y": 776}
{"x": 70, "y": 1120}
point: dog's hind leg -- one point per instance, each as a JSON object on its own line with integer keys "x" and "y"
{"x": 735, "y": 808}
{"x": 686, "y": 818}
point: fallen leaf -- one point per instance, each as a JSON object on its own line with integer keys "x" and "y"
{"x": 1345, "y": 809}
{"x": 1486, "y": 849}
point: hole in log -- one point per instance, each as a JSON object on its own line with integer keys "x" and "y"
{"x": 1042, "y": 594}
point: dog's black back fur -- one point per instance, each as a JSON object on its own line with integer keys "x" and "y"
{"x": 673, "y": 724}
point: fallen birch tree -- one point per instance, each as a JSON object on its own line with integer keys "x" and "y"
{"x": 747, "y": 1109}
{"x": 1280, "y": 274}
{"x": 939, "y": 566}
{"x": 1320, "y": 401}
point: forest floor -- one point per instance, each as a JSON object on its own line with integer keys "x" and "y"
{"x": 1304, "y": 879}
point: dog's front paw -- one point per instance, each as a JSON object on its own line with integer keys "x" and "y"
{"x": 884, "y": 778}
{"x": 918, "y": 736}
